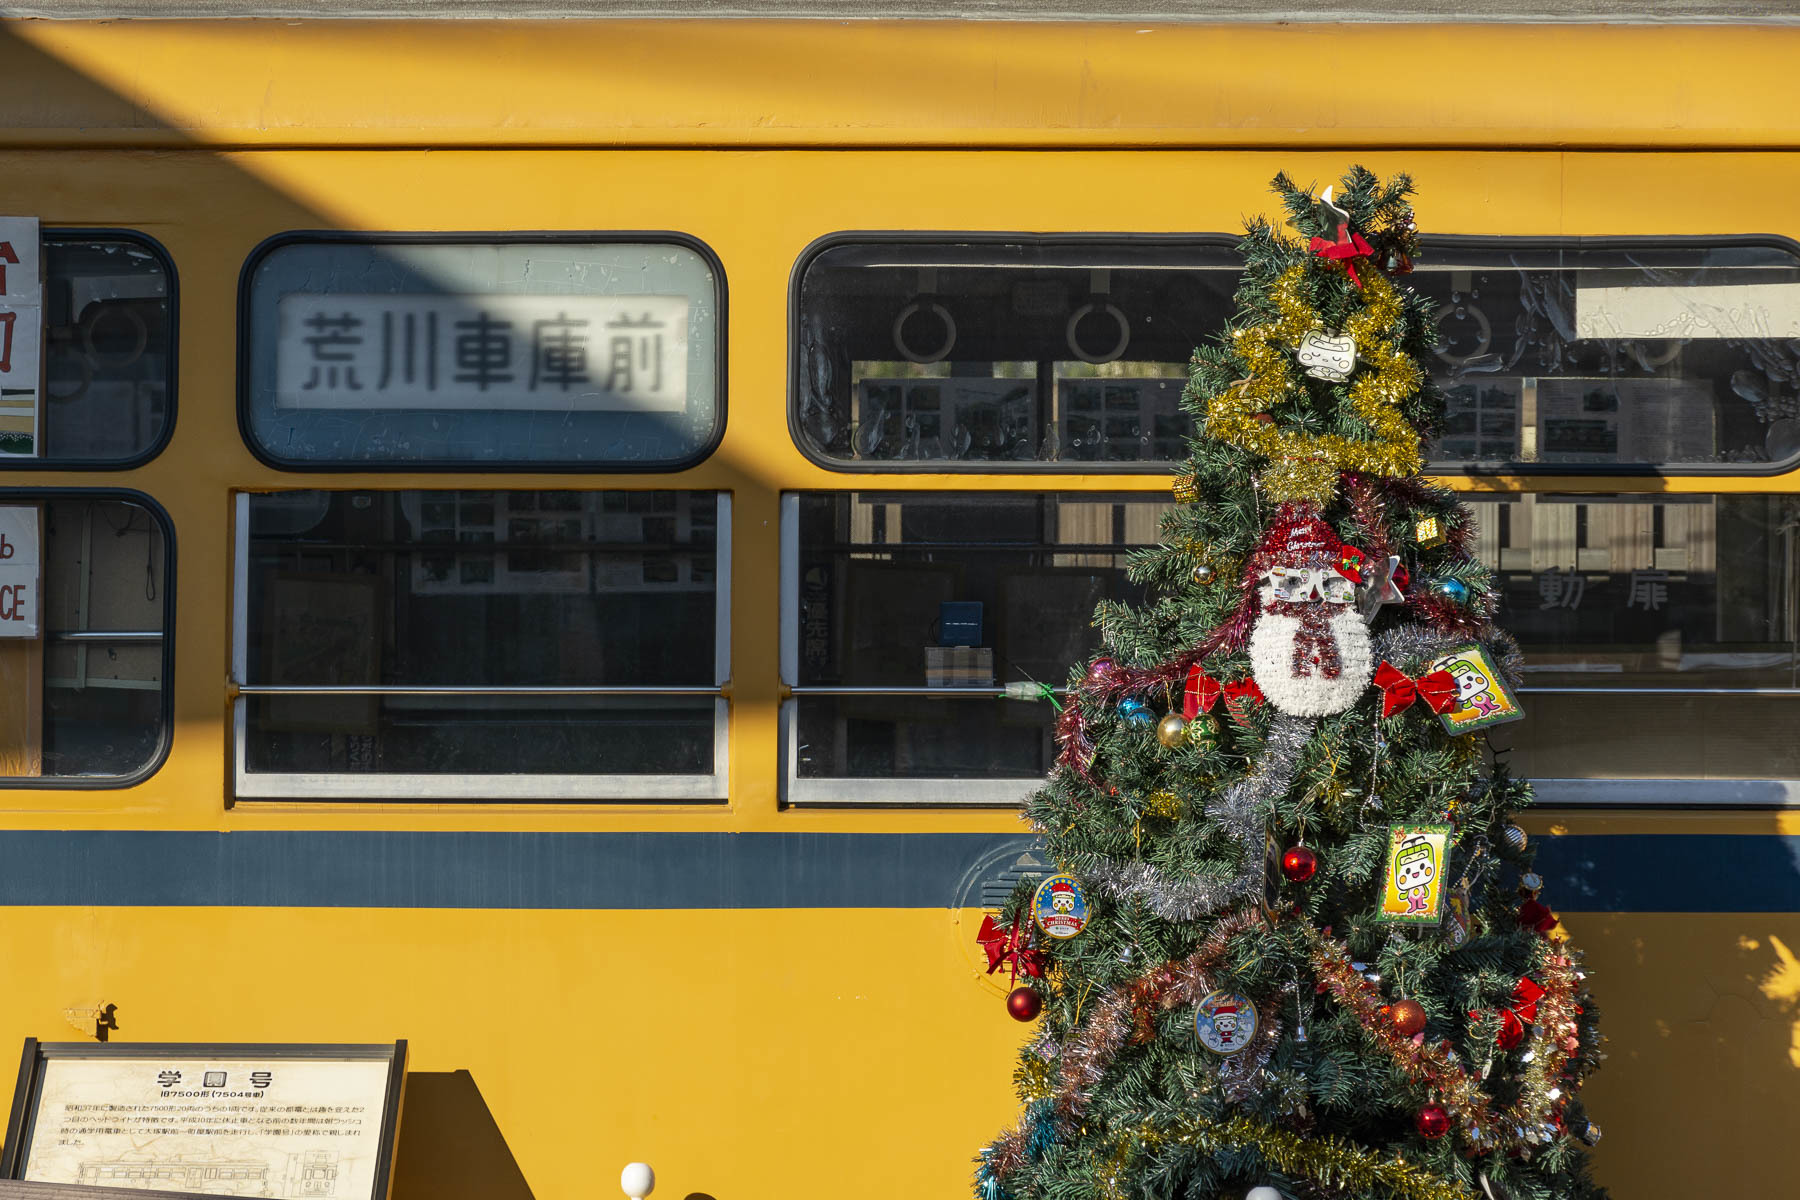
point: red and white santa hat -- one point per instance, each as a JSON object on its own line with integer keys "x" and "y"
{"x": 1297, "y": 537}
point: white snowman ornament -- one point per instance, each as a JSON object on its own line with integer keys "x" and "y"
{"x": 1309, "y": 651}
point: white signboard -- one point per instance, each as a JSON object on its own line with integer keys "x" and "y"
{"x": 509, "y": 352}
{"x": 21, "y": 336}
{"x": 19, "y": 572}
{"x": 1740, "y": 310}
{"x": 291, "y": 1128}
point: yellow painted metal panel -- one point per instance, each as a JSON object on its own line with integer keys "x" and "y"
{"x": 761, "y": 83}
{"x": 742, "y": 1051}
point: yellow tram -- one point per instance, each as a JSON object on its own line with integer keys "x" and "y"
{"x": 616, "y": 470}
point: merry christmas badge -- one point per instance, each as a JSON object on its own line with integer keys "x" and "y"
{"x": 1412, "y": 887}
{"x": 1225, "y": 1022}
{"x": 1059, "y": 908}
{"x": 1482, "y": 697}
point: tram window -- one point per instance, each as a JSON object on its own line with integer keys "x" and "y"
{"x": 1664, "y": 645}
{"x": 992, "y": 352}
{"x": 108, "y": 355}
{"x": 483, "y": 353}
{"x": 501, "y": 645}
{"x": 1609, "y": 354}
{"x": 903, "y": 615}
{"x": 84, "y": 664}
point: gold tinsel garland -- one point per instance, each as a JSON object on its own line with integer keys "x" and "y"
{"x": 1306, "y": 466}
{"x": 1329, "y": 1162}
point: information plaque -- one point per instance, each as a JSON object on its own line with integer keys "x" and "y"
{"x": 293, "y": 1122}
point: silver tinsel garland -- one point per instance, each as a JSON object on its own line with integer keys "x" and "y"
{"x": 1237, "y": 811}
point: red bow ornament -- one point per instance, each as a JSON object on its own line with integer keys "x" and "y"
{"x": 1346, "y": 249}
{"x": 1399, "y": 690}
{"x": 1007, "y": 946}
{"x": 1201, "y": 694}
{"x": 1523, "y": 1012}
{"x": 1351, "y": 562}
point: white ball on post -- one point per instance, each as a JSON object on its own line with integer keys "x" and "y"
{"x": 637, "y": 1180}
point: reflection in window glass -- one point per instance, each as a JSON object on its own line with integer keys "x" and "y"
{"x": 458, "y": 594}
{"x": 109, "y": 348}
{"x": 1044, "y": 350}
{"x": 540, "y": 352}
{"x": 1615, "y": 355}
{"x": 928, "y": 591}
{"x": 1651, "y": 592}
{"x": 82, "y": 664}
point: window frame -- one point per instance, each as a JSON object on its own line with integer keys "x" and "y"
{"x": 865, "y": 791}
{"x": 1552, "y": 792}
{"x": 1433, "y": 243}
{"x": 496, "y": 788}
{"x": 630, "y": 237}
{"x": 796, "y": 368}
{"x": 171, "y": 385}
{"x": 166, "y": 734}
{"x": 1658, "y": 793}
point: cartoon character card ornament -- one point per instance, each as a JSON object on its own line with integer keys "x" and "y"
{"x": 1059, "y": 908}
{"x": 1412, "y": 888}
{"x": 1482, "y": 697}
{"x": 1225, "y": 1022}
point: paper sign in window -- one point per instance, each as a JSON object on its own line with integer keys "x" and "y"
{"x": 21, "y": 336}
{"x": 19, "y": 573}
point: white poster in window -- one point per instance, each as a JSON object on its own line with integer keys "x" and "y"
{"x": 472, "y": 352}
{"x": 19, "y": 574}
{"x": 1625, "y": 420}
{"x": 280, "y": 1127}
{"x": 21, "y": 336}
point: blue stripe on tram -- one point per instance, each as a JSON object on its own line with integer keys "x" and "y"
{"x": 355, "y": 869}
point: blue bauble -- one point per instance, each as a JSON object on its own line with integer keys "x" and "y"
{"x": 1453, "y": 590}
{"x": 1136, "y": 713}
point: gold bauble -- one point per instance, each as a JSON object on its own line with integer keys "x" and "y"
{"x": 1171, "y": 730}
{"x": 1204, "y": 573}
{"x": 1164, "y": 804}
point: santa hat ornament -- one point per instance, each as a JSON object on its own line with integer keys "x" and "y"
{"x": 1310, "y": 649}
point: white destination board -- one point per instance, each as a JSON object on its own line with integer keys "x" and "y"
{"x": 20, "y": 573}
{"x": 21, "y": 336}
{"x": 290, "y": 1128}
{"x": 505, "y": 352}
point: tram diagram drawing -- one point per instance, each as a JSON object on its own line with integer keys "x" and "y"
{"x": 308, "y": 1174}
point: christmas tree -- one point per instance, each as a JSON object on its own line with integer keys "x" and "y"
{"x": 1294, "y": 946}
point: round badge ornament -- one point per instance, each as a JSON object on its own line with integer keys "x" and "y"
{"x": 1226, "y": 1022}
{"x": 1059, "y": 908}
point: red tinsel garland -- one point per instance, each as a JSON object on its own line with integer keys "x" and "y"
{"x": 1541, "y": 1096}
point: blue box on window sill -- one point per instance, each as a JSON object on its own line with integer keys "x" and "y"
{"x": 959, "y": 623}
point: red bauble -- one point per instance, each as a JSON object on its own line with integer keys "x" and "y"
{"x": 1024, "y": 1003}
{"x": 1408, "y": 1017}
{"x": 1534, "y": 915}
{"x": 1434, "y": 1121}
{"x": 1299, "y": 864}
